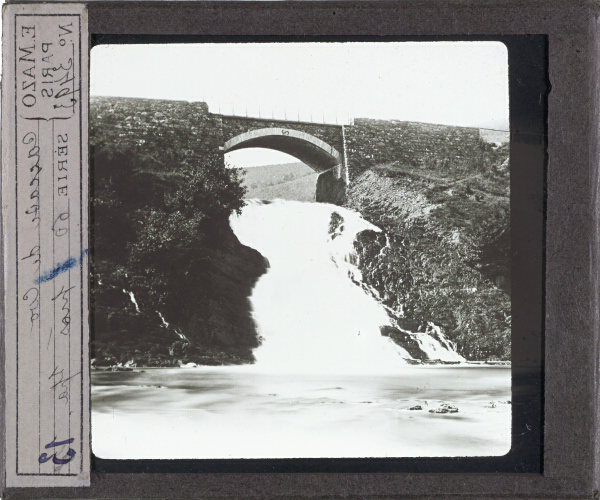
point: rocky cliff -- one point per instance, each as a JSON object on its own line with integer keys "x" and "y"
{"x": 444, "y": 254}
{"x": 170, "y": 280}
{"x": 211, "y": 323}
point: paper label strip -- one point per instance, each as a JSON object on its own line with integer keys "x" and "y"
{"x": 45, "y": 231}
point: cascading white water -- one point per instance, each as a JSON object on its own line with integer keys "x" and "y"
{"x": 326, "y": 383}
{"x": 436, "y": 345}
{"x": 312, "y": 317}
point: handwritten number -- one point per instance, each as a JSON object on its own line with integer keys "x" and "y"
{"x": 60, "y": 231}
{"x": 62, "y": 461}
{"x": 67, "y": 69}
{"x": 58, "y": 461}
{"x": 29, "y": 138}
{"x": 44, "y": 457}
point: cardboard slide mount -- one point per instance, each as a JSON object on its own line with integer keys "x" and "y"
{"x": 554, "y": 165}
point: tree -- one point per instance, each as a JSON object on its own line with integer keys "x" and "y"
{"x": 162, "y": 198}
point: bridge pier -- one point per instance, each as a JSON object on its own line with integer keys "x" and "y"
{"x": 331, "y": 186}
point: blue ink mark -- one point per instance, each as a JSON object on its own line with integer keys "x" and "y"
{"x": 60, "y": 268}
{"x": 58, "y": 461}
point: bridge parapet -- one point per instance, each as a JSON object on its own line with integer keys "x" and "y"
{"x": 412, "y": 144}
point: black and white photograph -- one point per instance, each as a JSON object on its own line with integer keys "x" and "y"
{"x": 300, "y": 250}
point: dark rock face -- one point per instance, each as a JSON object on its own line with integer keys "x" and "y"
{"x": 231, "y": 276}
{"x": 212, "y": 325}
{"x": 443, "y": 253}
{"x": 405, "y": 341}
{"x": 330, "y": 189}
{"x": 170, "y": 280}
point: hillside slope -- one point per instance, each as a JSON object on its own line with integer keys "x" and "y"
{"x": 170, "y": 280}
{"x": 444, "y": 257}
{"x": 289, "y": 181}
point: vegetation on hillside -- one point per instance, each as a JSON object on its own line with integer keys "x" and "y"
{"x": 446, "y": 258}
{"x": 289, "y": 181}
{"x": 170, "y": 279}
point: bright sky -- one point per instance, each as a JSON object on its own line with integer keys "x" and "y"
{"x": 453, "y": 83}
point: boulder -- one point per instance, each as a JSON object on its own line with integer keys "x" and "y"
{"x": 444, "y": 408}
{"x": 404, "y": 340}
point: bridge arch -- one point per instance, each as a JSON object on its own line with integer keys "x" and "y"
{"x": 309, "y": 149}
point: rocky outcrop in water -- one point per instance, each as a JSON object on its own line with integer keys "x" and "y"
{"x": 444, "y": 408}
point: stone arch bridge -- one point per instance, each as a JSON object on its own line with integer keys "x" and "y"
{"x": 309, "y": 149}
{"x": 320, "y": 146}
{"x": 339, "y": 153}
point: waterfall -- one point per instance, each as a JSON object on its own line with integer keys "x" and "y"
{"x": 309, "y": 311}
{"x": 435, "y": 344}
